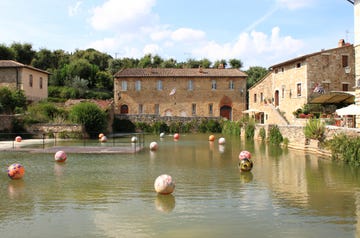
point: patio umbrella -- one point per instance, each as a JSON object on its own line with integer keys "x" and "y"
{"x": 352, "y": 109}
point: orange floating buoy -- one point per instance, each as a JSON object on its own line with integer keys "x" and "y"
{"x": 176, "y": 136}
{"x": 16, "y": 171}
{"x": 18, "y": 139}
{"x": 211, "y": 138}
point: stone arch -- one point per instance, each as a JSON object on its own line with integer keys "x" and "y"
{"x": 226, "y": 107}
{"x": 124, "y": 109}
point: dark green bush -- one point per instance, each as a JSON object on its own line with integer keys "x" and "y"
{"x": 262, "y": 133}
{"x": 345, "y": 148}
{"x": 250, "y": 129}
{"x": 275, "y": 136}
{"x": 90, "y": 116}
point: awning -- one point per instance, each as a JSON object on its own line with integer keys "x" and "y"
{"x": 333, "y": 97}
{"x": 255, "y": 111}
{"x": 352, "y": 109}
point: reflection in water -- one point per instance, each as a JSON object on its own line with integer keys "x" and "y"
{"x": 16, "y": 188}
{"x": 246, "y": 177}
{"x": 165, "y": 203}
{"x": 286, "y": 194}
{"x": 221, "y": 149}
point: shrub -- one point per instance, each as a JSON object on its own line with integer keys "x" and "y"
{"x": 345, "y": 148}
{"x": 231, "y": 128}
{"x": 44, "y": 112}
{"x": 275, "y": 136}
{"x": 90, "y": 116}
{"x": 315, "y": 129}
{"x": 262, "y": 133}
{"x": 250, "y": 129}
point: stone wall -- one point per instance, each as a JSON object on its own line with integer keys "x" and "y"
{"x": 54, "y": 128}
{"x": 296, "y": 137}
{"x": 150, "y": 119}
{"x": 6, "y": 122}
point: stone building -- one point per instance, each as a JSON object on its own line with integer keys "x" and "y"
{"x": 322, "y": 77}
{"x": 33, "y": 81}
{"x": 189, "y": 92}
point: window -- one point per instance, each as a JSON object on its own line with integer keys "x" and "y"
{"x": 30, "y": 80}
{"x": 193, "y": 109}
{"x": 283, "y": 92}
{"x": 190, "y": 85}
{"x": 157, "y": 109}
{"x": 261, "y": 97}
{"x": 210, "y": 109}
{"x": 213, "y": 84}
{"x": 138, "y": 85}
{"x": 298, "y": 89}
{"x": 140, "y": 108}
{"x": 345, "y": 61}
{"x": 231, "y": 84}
{"x": 124, "y": 85}
{"x": 345, "y": 87}
{"x": 255, "y": 97}
{"x": 298, "y": 65}
{"x": 41, "y": 83}
{"x": 159, "y": 85}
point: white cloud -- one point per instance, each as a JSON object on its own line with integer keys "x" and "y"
{"x": 73, "y": 10}
{"x": 293, "y": 4}
{"x": 123, "y": 14}
{"x": 187, "y": 34}
{"x": 254, "y": 49}
{"x": 151, "y": 49}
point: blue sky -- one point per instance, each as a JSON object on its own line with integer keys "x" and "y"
{"x": 258, "y": 32}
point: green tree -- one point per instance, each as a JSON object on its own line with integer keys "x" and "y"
{"x": 23, "y": 52}
{"x": 90, "y": 116}
{"x": 6, "y": 53}
{"x": 11, "y": 99}
{"x": 255, "y": 73}
{"x": 169, "y": 63}
{"x": 104, "y": 80}
{"x": 101, "y": 60}
{"x": 44, "y": 59}
{"x": 235, "y": 63}
{"x": 83, "y": 69}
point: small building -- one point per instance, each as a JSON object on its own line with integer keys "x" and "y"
{"x": 189, "y": 92}
{"x": 323, "y": 77}
{"x": 33, "y": 81}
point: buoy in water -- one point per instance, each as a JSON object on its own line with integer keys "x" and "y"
{"x": 221, "y": 140}
{"x": 153, "y": 146}
{"x": 18, "y": 139}
{"x": 164, "y": 184}
{"x": 162, "y": 135}
{"x": 176, "y": 136}
{"x": 134, "y": 139}
{"x": 211, "y": 138}
{"x": 245, "y": 165}
{"x": 244, "y": 155}
{"x": 16, "y": 171}
{"x": 60, "y": 156}
{"x": 103, "y": 139}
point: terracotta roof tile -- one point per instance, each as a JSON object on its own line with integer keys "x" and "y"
{"x": 14, "y": 64}
{"x": 171, "y": 72}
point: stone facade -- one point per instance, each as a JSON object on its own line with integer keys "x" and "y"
{"x": 33, "y": 81}
{"x": 291, "y": 84}
{"x": 181, "y": 92}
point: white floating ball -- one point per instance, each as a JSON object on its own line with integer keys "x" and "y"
{"x": 153, "y": 145}
{"x": 103, "y": 139}
{"x": 164, "y": 184}
{"x": 162, "y": 135}
{"x": 221, "y": 140}
{"x": 60, "y": 156}
{"x": 134, "y": 139}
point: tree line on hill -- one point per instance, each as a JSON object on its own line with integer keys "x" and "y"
{"x": 89, "y": 73}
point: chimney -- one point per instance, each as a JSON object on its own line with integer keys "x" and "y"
{"x": 200, "y": 69}
{"x": 341, "y": 43}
